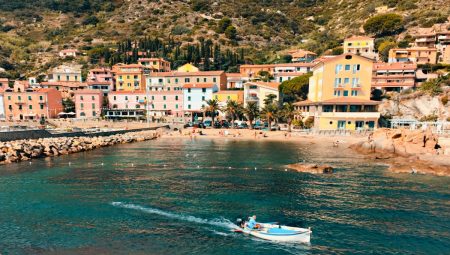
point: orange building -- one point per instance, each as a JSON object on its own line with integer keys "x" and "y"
{"x": 156, "y": 64}
{"x": 393, "y": 76}
{"x": 419, "y": 55}
{"x": 25, "y": 103}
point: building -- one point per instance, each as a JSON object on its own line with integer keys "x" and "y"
{"x": 69, "y": 53}
{"x": 177, "y": 79}
{"x": 67, "y": 88}
{"x": 70, "y": 73}
{"x": 4, "y": 84}
{"x": 165, "y": 99}
{"x": 443, "y": 46}
{"x": 126, "y": 105}
{"x": 236, "y": 80}
{"x": 419, "y": 55}
{"x": 393, "y": 76}
{"x": 361, "y": 45}
{"x": 105, "y": 87}
{"x": 195, "y": 96}
{"x": 252, "y": 71}
{"x": 100, "y": 75}
{"x": 156, "y": 64}
{"x": 130, "y": 77}
{"x": 25, "y": 103}
{"x": 302, "y": 56}
{"x": 224, "y": 96}
{"x": 437, "y": 36}
{"x": 88, "y": 103}
{"x": 258, "y": 91}
{"x": 425, "y": 40}
{"x": 339, "y": 95}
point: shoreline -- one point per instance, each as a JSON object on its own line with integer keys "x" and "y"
{"x": 25, "y": 150}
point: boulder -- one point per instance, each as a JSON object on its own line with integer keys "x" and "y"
{"x": 311, "y": 168}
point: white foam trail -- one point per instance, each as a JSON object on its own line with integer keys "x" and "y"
{"x": 215, "y": 222}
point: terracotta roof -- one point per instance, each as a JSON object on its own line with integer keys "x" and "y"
{"x": 394, "y": 66}
{"x": 289, "y": 73}
{"x": 99, "y": 83}
{"x": 271, "y": 85}
{"x": 73, "y": 84}
{"x": 330, "y": 59}
{"x": 303, "y": 103}
{"x": 178, "y": 74}
{"x": 152, "y": 59}
{"x": 88, "y": 91}
{"x": 3, "y": 79}
{"x": 302, "y": 53}
{"x": 102, "y": 69}
{"x": 357, "y": 38}
{"x": 235, "y": 75}
{"x": 140, "y": 92}
{"x": 278, "y": 65}
{"x": 44, "y": 90}
{"x": 198, "y": 85}
{"x": 414, "y": 49}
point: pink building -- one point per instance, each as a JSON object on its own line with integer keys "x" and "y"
{"x": 126, "y": 104}
{"x": 166, "y": 102}
{"x": 25, "y": 103}
{"x": 67, "y": 88}
{"x": 88, "y": 103}
{"x": 100, "y": 75}
{"x": 3, "y": 84}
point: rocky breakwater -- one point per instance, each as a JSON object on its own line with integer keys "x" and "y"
{"x": 311, "y": 168}
{"x": 20, "y": 150}
{"x": 407, "y": 151}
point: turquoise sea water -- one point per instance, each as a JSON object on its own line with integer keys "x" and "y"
{"x": 176, "y": 196}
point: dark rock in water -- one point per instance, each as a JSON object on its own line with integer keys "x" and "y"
{"x": 311, "y": 168}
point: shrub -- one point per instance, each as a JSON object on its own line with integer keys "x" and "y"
{"x": 231, "y": 32}
{"x": 91, "y": 20}
{"x": 431, "y": 87}
{"x": 444, "y": 100}
{"x": 384, "y": 48}
{"x": 384, "y": 24}
{"x": 309, "y": 122}
{"x": 431, "y": 117}
{"x": 200, "y": 5}
{"x": 179, "y": 30}
{"x": 223, "y": 25}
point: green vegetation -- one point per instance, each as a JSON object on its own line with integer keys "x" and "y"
{"x": 251, "y": 111}
{"x": 384, "y": 48}
{"x": 384, "y": 24}
{"x": 295, "y": 89}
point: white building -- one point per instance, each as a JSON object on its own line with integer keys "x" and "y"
{"x": 196, "y": 95}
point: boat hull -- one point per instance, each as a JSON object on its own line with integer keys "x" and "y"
{"x": 287, "y": 234}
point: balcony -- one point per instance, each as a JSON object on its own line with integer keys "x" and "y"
{"x": 362, "y": 115}
{"x": 20, "y": 102}
{"x": 356, "y": 86}
{"x": 427, "y": 39}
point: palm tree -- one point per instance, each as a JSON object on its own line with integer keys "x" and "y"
{"x": 212, "y": 106}
{"x": 232, "y": 109}
{"x": 288, "y": 113}
{"x": 268, "y": 112}
{"x": 251, "y": 111}
{"x": 269, "y": 99}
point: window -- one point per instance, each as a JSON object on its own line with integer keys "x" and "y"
{"x": 176, "y": 106}
{"x": 214, "y": 79}
{"x": 10, "y": 107}
{"x": 93, "y": 97}
{"x": 356, "y": 68}
{"x": 337, "y": 93}
{"x": 354, "y": 93}
{"x": 153, "y": 97}
{"x": 204, "y": 79}
{"x": 198, "y": 79}
{"x": 128, "y": 77}
{"x": 76, "y": 77}
{"x": 30, "y": 107}
{"x": 168, "y": 88}
{"x": 120, "y": 77}
{"x": 164, "y": 98}
{"x": 347, "y": 67}
{"x": 29, "y": 97}
{"x": 345, "y": 93}
{"x": 355, "y": 82}
{"x": 81, "y": 106}
{"x": 165, "y": 106}
{"x": 114, "y": 98}
{"x": 337, "y": 82}
{"x": 189, "y": 90}
{"x": 135, "y": 77}
{"x": 346, "y": 80}
{"x": 67, "y": 77}
{"x": 338, "y": 68}
{"x": 189, "y": 98}
{"x": 327, "y": 108}
{"x": 189, "y": 106}
{"x": 203, "y": 90}
{"x": 160, "y": 80}
{"x": 42, "y": 107}
{"x": 137, "y": 98}
{"x": 153, "y": 106}
{"x": 138, "y": 106}
{"x": 228, "y": 97}
{"x": 203, "y": 98}
{"x": 187, "y": 80}
{"x": 59, "y": 77}
{"x": 81, "y": 98}
{"x": 126, "y": 97}
{"x": 176, "y": 80}
{"x": 93, "y": 106}
{"x": 19, "y": 97}
{"x": 94, "y": 113}
{"x": 176, "y": 98}
{"x": 9, "y": 97}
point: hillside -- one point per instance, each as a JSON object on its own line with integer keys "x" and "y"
{"x": 32, "y": 32}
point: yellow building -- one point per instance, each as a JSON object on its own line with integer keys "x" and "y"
{"x": 360, "y": 45}
{"x": 339, "y": 94}
{"x": 258, "y": 91}
{"x": 130, "y": 77}
{"x": 156, "y": 64}
{"x": 224, "y": 96}
{"x": 188, "y": 68}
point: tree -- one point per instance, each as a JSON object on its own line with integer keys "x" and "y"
{"x": 251, "y": 112}
{"x": 296, "y": 88}
{"x": 384, "y": 24}
{"x": 91, "y": 20}
{"x": 269, "y": 99}
{"x": 224, "y": 23}
{"x": 384, "y": 49}
{"x": 231, "y": 33}
{"x": 288, "y": 113}
{"x": 337, "y": 51}
{"x": 68, "y": 105}
{"x": 268, "y": 112}
{"x": 212, "y": 106}
{"x": 265, "y": 76}
{"x": 232, "y": 109}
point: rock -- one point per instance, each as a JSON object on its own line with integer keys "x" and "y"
{"x": 312, "y": 168}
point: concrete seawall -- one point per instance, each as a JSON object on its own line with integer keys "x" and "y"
{"x": 39, "y": 133}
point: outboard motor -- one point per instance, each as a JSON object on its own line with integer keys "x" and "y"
{"x": 240, "y": 222}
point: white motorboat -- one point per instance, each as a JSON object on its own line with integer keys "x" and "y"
{"x": 275, "y": 232}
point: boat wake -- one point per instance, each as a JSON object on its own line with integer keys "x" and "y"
{"x": 222, "y": 222}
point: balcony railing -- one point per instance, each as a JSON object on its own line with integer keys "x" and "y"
{"x": 351, "y": 114}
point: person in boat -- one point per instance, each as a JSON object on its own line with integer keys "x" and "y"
{"x": 251, "y": 224}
